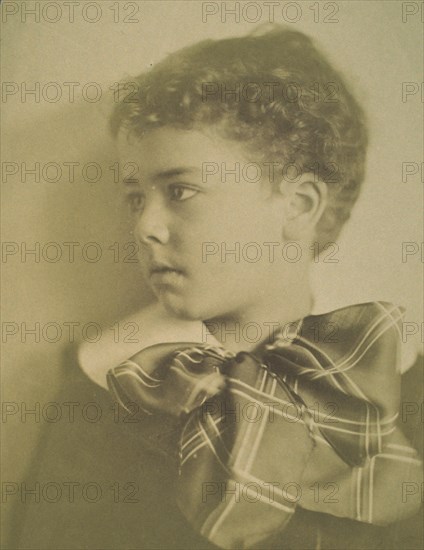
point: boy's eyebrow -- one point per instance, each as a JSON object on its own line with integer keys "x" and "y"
{"x": 173, "y": 172}
{"x": 130, "y": 181}
{"x": 165, "y": 174}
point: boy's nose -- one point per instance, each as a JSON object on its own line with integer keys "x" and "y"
{"x": 152, "y": 224}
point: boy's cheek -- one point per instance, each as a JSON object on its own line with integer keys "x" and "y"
{"x": 210, "y": 293}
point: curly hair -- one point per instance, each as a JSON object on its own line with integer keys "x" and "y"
{"x": 300, "y": 113}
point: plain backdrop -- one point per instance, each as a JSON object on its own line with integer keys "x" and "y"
{"x": 371, "y": 43}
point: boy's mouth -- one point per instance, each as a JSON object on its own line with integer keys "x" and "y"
{"x": 159, "y": 267}
{"x": 165, "y": 273}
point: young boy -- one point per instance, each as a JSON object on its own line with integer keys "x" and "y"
{"x": 249, "y": 155}
{"x": 270, "y": 426}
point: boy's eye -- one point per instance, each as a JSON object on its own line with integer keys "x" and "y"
{"x": 178, "y": 192}
{"x": 136, "y": 201}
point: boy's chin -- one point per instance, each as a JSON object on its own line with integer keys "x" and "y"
{"x": 181, "y": 308}
{"x": 199, "y": 306}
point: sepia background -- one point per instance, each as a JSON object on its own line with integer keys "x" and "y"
{"x": 376, "y": 45}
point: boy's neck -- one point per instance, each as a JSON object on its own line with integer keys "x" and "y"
{"x": 258, "y": 323}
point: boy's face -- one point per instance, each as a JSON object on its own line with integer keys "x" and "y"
{"x": 190, "y": 221}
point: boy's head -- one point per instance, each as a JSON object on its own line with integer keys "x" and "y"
{"x": 208, "y": 236}
{"x": 274, "y": 92}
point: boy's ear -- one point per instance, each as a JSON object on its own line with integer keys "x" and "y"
{"x": 304, "y": 203}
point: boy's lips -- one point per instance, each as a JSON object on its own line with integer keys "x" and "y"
{"x": 163, "y": 267}
{"x": 165, "y": 274}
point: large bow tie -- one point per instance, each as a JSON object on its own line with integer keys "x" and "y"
{"x": 309, "y": 421}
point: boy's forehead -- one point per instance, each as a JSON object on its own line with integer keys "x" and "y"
{"x": 169, "y": 148}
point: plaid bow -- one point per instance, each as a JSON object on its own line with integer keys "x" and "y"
{"x": 311, "y": 422}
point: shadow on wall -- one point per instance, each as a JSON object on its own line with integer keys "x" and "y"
{"x": 60, "y": 288}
